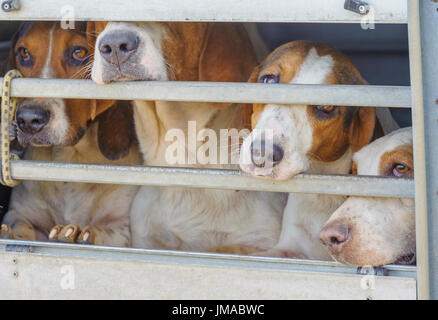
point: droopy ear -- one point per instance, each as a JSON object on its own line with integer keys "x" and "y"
{"x": 10, "y": 64}
{"x": 91, "y": 36}
{"x": 243, "y": 114}
{"x": 93, "y": 30}
{"x": 116, "y": 130}
{"x": 99, "y": 106}
{"x": 257, "y": 108}
{"x": 227, "y": 55}
{"x": 362, "y": 128}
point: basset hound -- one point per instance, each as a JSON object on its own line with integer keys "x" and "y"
{"x": 291, "y": 139}
{"x": 84, "y": 131}
{"x": 376, "y": 231}
{"x": 184, "y": 218}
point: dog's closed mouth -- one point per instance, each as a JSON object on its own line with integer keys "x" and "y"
{"x": 31, "y": 139}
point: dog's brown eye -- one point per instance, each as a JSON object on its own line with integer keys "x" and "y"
{"x": 400, "y": 170}
{"x": 325, "y": 109}
{"x": 24, "y": 53}
{"x": 80, "y": 53}
{"x": 269, "y": 78}
{"x": 24, "y": 56}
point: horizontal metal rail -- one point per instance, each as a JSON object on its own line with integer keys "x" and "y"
{"x": 345, "y": 95}
{"x": 388, "y": 11}
{"x": 211, "y": 178}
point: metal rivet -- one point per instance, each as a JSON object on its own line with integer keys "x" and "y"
{"x": 15, "y": 261}
{"x": 15, "y": 274}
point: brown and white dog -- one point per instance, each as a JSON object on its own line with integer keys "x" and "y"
{"x": 184, "y": 218}
{"x": 376, "y": 231}
{"x": 63, "y": 130}
{"x": 305, "y": 138}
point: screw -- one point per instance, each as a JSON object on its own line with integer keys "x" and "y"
{"x": 362, "y": 9}
{"x": 15, "y": 261}
{"x": 15, "y": 274}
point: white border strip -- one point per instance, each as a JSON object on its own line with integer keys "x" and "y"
{"x": 387, "y": 11}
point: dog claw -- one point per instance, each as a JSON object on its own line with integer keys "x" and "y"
{"x": 69, "y": 233}
{"x": 53, "y": 235}
{"x": 72, "y": 234}
{"x": 6, "y": 232}
{"x": 86, "y": 236}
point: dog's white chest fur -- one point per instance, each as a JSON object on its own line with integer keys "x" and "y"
{"x": 200, "y": 219}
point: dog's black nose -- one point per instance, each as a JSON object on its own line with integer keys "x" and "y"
{"x": 32, "y": 118}
{"x": 118, "y": 46}
{"x": 277, "y": 154}
{"x": 263, "y": 155}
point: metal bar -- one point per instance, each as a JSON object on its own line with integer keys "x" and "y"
{"x": 345, "y": 95}
{"x": 210, "y": 178}
{"x": 388, "y": 11}
{"x": 423, "y": 36}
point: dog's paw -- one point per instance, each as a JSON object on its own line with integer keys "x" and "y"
{"x": 6, "y": 232}
{"x": 87, "y": 236}
{"x": 68, "y": 233}
{"x": 72, "y": 234}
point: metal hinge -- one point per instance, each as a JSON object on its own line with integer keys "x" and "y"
{"x": 11, "y": 5}
{"x": 357, "y": 6}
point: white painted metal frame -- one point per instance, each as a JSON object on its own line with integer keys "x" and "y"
{"x": 211, "y": 178}
{"x": 183, "y": 270}
{"x": 345, "y": 95}
{"x": 387, "y": 11}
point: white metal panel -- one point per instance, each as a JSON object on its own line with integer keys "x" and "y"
{"x": 31, "y": 276}
{"x": 387, "y": 11}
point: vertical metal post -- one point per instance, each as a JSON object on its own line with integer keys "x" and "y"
{"x": 423, "y": 39}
